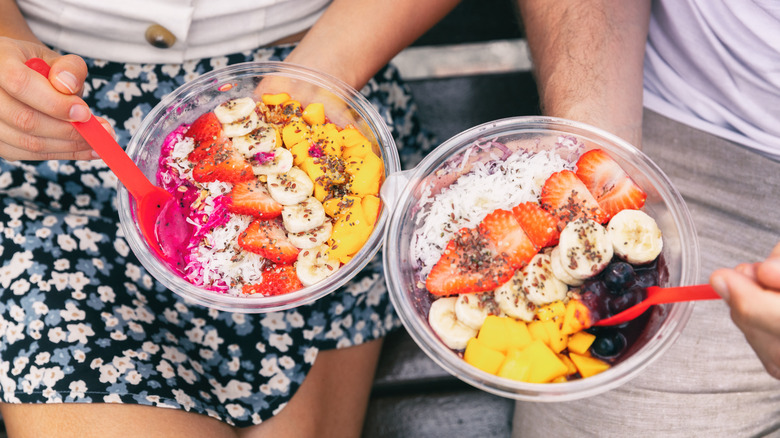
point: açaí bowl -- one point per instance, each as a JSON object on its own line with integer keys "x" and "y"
{"x": 343, "y": 105}
{"x": 680, "y": 253}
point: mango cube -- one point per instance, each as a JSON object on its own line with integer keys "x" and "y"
{"x": 577, "y": 317}
{"x": 503, "y": 333}
{"x": 327, "y": 136}
{"x": 571, "y": 368}
{"x": 545, "y": 364}
{"x": 275, "y": 99}
{"x": 291, "y": 109}
{"x": 355, "y": 144}
{"x": 483, "y": 357}
{"x": 300, "y": 152}
{"x": 588, "y": 366}
{"x": 557, "y": 340}
{"x": 371, "y": 205}
{"x": 539, "y": 331}
{"x": 350, "y": 231}
{"x": 515, "y": 366}
{"x": 335, "y": 207}
{"x": 314, "y": 113}
{"x": 366, "y": 174}
{"x": 295, "y": 132}
{"x": 552, "y": 311}
{"x": 580, "y": 342}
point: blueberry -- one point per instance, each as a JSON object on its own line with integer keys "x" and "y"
{"x": 608, "y": 344}
{"x": 598, "y": 287}
{"x": 622, "y": 302}
{"x": 646, "y": 278}
{"x": 619, "y": 276}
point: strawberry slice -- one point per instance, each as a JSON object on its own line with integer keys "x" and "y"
{"x": 223, "y": 164}
{"x": 568, "y": 199}
{"x": 540, "y": 226}
{"x": 207, "y": 133}
{"x": 507, "y": 235}
{"x": 268, "y": 238}
{"x": 470, "y": 263}
{"x": 609, "y": 183}
{"x": 277, "y": 280}
{"x": 252, "y": 198}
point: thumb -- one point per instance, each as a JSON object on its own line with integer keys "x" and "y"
{"x": 67, "y": 74}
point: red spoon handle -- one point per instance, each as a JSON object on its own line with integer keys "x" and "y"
{"x": 682, "y": 293}
{"x": 107, "y": 148}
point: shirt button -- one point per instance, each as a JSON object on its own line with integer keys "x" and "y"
{"x": 159, "y": 37}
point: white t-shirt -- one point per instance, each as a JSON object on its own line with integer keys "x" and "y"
{"x": 115, "y": 30}
{"x": 715, "y": 65}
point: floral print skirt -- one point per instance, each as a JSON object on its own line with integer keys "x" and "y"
{"x": 82, "y": 321}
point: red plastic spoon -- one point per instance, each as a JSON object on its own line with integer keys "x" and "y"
{"x": 150, "y": 199}
{"x": 661, "y": 295}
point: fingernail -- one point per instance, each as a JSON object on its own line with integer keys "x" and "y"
{"x": 721, "y": 287}
{"x": 68, "y": 80}
{"x": 79, "y": 113}
{"x": 107, "y": 126}
{"x": 95, "y": 155}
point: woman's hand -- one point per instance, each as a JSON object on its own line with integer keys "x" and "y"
{"x": 35, "y": 112}
{"x": 753, "y": 293}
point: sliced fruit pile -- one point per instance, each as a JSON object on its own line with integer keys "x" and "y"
{"x": 509, "y": 289}
{"x": 310, "y": 187}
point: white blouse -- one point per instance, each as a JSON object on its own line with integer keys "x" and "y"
{"x": 116, "y": 30}
{"x": 715, "y": 65}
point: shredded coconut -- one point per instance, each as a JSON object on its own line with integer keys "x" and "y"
{"x": 490, "y": 184}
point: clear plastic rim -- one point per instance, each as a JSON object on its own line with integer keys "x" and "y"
{"x": 174, "y": 100}
{"x": 619, "y": 374}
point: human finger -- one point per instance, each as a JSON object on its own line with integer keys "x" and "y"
{"x": 34, "y": 90}
{"x": 68, "y": 73}
{"x": 751, "y": 305}
{"x": 768, "y": 272}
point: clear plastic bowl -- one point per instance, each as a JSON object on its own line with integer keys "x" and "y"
{"x": 681, "y": 253}
{"x": 343, "y": 105}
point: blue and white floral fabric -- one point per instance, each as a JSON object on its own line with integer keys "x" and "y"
{"x": 82, "y": 321}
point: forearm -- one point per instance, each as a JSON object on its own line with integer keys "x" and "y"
{"x": 355, "y": 38}
{"x": 588, "y": 58}
{"x": 12, "y": 24}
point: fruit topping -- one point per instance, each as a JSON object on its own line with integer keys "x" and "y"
{"x": 252, "y": 198}
{"x": 268, "y": 238}
{"x": 566, "y": 197}
{"x": 502, "y": 228}
{"x": 533, "y": 278}
{"x": 540, "y": 226}
{"x": 470, "y": 263}
{"x": 609, "y": 183}
{"x": 277, "y": 280}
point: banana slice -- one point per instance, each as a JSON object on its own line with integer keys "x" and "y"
{"x": 540, "y": 284}
{"x": 303, "y": 216}
{"x": 262, "y": 139}
{"x": 234, "y": 110}
{"x": 281, "y": 162}
{"x": 242, "y": 126}
{"x": 472, "y": 309}
{"x": 311, "y": 238}
{"x": 313, "y": 265}
{"x": 557, "y": 269}
{"x": 453, "y": 333}
{"x": 635, "y": 236}
{"x": 290, "y": 188}
{"x": 584, "y": 248}
{"x": 512, "y": 300}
